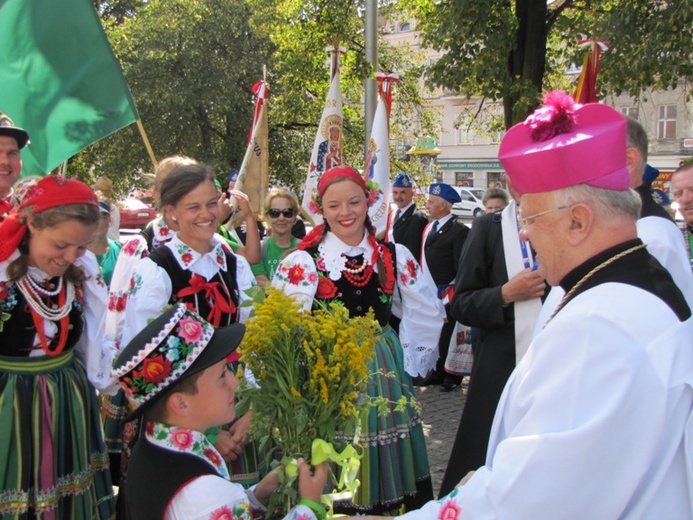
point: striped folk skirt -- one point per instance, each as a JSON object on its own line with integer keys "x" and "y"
{"x": 53, "y": 461}
{"x": 394, "y": 470}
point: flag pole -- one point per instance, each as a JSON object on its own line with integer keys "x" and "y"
{"x": 146, "y": 143}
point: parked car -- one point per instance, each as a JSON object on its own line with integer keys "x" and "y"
{"x": 135, "y": 214}
{"x": 471, "y": 205}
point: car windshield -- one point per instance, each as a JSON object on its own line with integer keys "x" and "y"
{"x": 132, "y": 204}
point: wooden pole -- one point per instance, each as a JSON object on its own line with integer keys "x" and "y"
{"x": 146, "y": 143}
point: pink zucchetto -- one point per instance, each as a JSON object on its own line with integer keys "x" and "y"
{"x": 563, "y": 144}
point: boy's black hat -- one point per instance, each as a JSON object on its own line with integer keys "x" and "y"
{"x": 176, "y": 345}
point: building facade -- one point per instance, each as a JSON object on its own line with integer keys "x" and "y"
{"x": 469, "y": 150}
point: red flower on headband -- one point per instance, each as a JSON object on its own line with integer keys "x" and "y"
{"x": 154, "y": 370}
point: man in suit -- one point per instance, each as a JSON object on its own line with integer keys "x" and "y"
{"x": 443, "y": 241}
{"x": 497, "y": 290}
{"x": 408, "y": 222}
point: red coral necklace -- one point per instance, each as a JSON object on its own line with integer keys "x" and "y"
{"x": 356, "y": 273}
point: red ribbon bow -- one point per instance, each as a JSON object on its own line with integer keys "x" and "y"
{"x": 219, "y": 302}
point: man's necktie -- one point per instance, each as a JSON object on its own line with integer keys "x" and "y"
{"x": 434, "y": 229}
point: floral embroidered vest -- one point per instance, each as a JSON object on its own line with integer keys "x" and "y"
{"x": 357, "y": 299}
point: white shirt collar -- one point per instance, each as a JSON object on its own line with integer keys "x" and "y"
{"x": 443, "y": 220}
{"x": 333, "y": 251}
{"x": 187, "y": 256}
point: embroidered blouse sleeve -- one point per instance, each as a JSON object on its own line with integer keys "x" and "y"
{"x": 95, "y": 351}
{"x": 148, "y": 293}
{"x": 421, "y": 312}
{"x": 245, "y": 280}
{"x": 297, "y": 276}
{"x": 211, "y": 497}
{"x": 133, "y": 250}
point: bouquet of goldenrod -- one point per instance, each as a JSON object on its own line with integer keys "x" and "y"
{"x": 311, "y": 369}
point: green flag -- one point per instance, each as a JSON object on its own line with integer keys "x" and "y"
{"x": 59, "y": 79}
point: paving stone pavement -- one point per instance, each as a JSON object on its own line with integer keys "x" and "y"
{"x": 441, "y": 412}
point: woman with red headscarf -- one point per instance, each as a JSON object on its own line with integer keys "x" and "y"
{"x": 52, "y": 355}
{"x": 342, "y": 260}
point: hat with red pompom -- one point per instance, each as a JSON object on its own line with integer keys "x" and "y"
{"x": 563, "y": 144}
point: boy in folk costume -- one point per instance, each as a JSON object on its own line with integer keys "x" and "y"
{"x": 175, "y": 374}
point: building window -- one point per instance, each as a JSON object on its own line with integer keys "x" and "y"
{"x": 631, "y": 112}
{"x": 406, "y": 26}
{"x": 464, "y": 135}
{"x": 464, "y": 178}
{"x": 496, "y": 180}
{"x": 496, "y": 137}
{"x": 666, "y": 122}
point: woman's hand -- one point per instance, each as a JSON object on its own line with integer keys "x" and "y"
{"x": 225, "y": 208}
{"x": 229, "y": 448}
{"x": 239, "y": 430}
{"x": 243, "y": 204}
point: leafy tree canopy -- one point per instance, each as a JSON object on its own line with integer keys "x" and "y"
{"x": 511, "y": 50}
{"x": 190, "y": 65}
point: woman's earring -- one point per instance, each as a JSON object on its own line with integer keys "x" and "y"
{"x": 174, "y": 218}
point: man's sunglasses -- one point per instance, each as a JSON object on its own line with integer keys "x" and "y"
{"x": 274, "y": 213}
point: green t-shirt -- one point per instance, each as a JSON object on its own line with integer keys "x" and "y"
{"x": 107, "y": 261}
{"x": 271, "y": 254}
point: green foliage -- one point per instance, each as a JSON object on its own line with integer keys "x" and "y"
{"x": 190, "y": 65}
{"x": 511, "y": 50}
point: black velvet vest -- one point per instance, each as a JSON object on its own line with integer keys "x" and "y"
{"x": 17, "y": 330}
{"x": 155, "y": 475}
{"x": 180, "y": 279}
{"x": 359, "y": 299}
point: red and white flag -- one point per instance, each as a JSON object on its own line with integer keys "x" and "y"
{"x": 327, "y": 150}
{"x": 253, "y": 177}
{"x": 377, "y": 172}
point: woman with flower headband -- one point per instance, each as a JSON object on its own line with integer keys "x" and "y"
{"x": 196, "y": 267}
{"x": 342, "y": 260}
{"x": 52, "y": 355}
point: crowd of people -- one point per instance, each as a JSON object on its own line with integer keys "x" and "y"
{"x": 575, "y": 288}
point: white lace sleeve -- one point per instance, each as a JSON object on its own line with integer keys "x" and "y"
{"x": 421, "y": 312}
